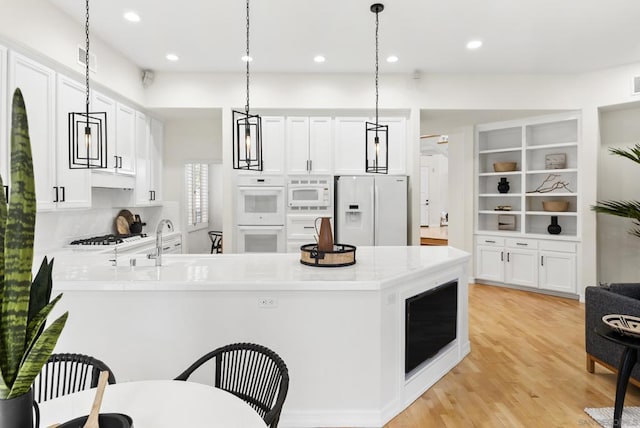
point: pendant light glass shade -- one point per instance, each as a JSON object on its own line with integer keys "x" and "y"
{"x": 247, "y": 130}
{"x": 376, "y": 135}
{"x": 87, "y": 130}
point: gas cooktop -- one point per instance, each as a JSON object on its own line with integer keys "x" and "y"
{"x": 110, "y": 239}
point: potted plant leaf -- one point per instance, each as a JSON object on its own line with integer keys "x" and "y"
{"x": 629, "y": 209}
{"x": 25, "y": 345}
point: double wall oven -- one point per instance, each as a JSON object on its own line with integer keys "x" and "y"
{"x": 260, "y": 214}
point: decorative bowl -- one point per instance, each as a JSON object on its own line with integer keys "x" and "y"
{"x": 504, "y": 166}
{"x": 623, "y": 324}
{"x": 556, "y": 206}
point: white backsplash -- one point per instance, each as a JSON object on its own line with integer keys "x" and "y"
{"x": 55, "y": 229}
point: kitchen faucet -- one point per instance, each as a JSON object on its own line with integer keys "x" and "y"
{"x": 158, "y": 255}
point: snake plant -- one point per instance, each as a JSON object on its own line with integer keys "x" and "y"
{"x": 629, "y": 209}
{"x": 24, "y": 307}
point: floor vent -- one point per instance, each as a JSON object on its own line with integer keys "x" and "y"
{"x": 93, "y": 60}
{"x": 635, "y": 85}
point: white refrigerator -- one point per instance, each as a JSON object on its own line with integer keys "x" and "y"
{"x": 371, "y": 210}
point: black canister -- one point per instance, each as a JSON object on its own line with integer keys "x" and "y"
{"x": 503, "y": 185}
{"x": 554, "y": 228}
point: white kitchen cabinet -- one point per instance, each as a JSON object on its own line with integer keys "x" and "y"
{"x": 72, "y": 187}
{"x": 536, "y": 264}
{"x": 149, "y": 136}
{"x": 558, "y": 266}
{"x": 273, "y": 144}
{"x": 309, "y": 145}
{"x": 37, "y": 84}
{"x": 349, "y": 145}
{"x": 156, "y": 160}
{"x": 103, "y": 103}
{"x": 125, "y": 139}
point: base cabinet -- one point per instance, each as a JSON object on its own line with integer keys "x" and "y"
{"x": 532, "y": 263}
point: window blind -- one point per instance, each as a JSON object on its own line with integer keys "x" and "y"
{"x": 197, "y": 190}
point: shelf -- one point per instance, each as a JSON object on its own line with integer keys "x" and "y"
{"x": 507, "y": 150}
{"x": 500, "y": 195}
{"x": 498, "y": 174}
{"x": 550, "y": 194}
{"x": 551, "y": 171}
{"x": 498, "y": 212}
{"x": 555, "y": 213}
{"x": 552, "y": 146}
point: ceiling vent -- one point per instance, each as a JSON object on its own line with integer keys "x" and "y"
{"x": 635, "y": 85}
{"x": 93, "y": 60}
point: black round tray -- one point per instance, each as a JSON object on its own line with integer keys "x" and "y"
{"x": 342, "y": 255}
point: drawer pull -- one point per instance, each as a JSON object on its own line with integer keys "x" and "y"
{"x": 489, "y": 242}
{"x": 308, "y": 227}
{"x": 522, "y": 244}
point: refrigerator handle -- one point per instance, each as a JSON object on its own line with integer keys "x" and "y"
{"x": 376, "y": 214}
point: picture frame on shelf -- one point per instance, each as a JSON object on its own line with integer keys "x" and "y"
{"x": 507, "y": 222}
{"x": 555, "y": 161}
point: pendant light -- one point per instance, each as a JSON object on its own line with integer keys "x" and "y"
{"x": 376, "y": 135}
{"x": 87, "y": 130}
{"x": 247, "y": 130}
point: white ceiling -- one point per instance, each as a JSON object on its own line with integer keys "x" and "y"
{"x": 520, "y": 36}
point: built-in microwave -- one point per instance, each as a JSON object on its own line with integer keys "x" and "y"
{"x": 309, "y": 192}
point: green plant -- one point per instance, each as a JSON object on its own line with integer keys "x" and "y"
{"x": 628, "y": 209}
{"x": 24, "y": 343}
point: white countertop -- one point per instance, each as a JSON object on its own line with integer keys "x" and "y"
{"x": 375, "y": 267}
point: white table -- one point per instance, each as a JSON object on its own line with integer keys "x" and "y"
{"x": 158, "y": 404}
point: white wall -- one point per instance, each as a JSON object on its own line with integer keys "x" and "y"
{"x": 190, "y": 136}
{"x": 36, "y": 26}
{"x": 618, "y": 180}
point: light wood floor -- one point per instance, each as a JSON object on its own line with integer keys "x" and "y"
{"x": 526, "y": 368}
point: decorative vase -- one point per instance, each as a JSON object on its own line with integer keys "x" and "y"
{"x": 18, "y": 412}
{"x": 554, "y": 228}
{"x": 503, "y": 185}
{"x": 325, "y": 235}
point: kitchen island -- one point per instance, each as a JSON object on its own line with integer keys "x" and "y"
{"x": 341, "y": 331}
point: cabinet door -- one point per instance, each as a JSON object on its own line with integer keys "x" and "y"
{"x": 349, "y": 145}
{"x": 102, "y": 103}
{"x": 397, "y": 145}
{"x": 558, "y": 271}
{"x": 298, "y": 145}
{"x": 125, "y": 139}
{"x": 521, "y": 267}
{"x": 156, "y": 146}
{"x": 273, "y": 141}
{"x": 143, "y": 180}
{"x": 37, "y": 84}
{"x": 490, "y": 263}
{"x": 74, "y": 188}
{"x": 320, "y": 145}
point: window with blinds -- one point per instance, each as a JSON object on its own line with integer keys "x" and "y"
{"x": 197, "y": 185}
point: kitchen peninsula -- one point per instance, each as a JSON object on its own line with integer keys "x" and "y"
{"x": 341, "y": 331}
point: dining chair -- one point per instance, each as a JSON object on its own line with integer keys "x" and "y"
{"x": 216, "y": 241}
{"x": 67, "y": 373}
{"x": 251, "y": 372}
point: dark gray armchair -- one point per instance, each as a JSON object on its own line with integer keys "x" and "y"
{"x": 604, "y": 300}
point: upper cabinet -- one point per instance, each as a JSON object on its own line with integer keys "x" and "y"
{"x": 309, "y": 145}
{"x": 124, "y": 154}
{"x": 273, "y": 140}
{"x": 149, "y": 142}
{"x": 527, "y": 175}
{"x": 349, "y": 144}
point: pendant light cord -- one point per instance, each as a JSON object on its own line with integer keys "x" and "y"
{"x": 86, "y": 59}
{"x": 246, "y": 107}
{"x": 377, "y": 27}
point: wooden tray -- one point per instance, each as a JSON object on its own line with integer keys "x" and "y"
{"x": 342, "y": 255}
{"x": 624, "y": 324}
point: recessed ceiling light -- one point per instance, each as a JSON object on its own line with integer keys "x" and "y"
{"x": 392, "y": 58}
{"x": 246, "y": 58}
{"x": 132, "y": 16}
{"x": 474, "y": 44}
{"x": 172, "y": 57}
{"x": 319, "y": 58}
